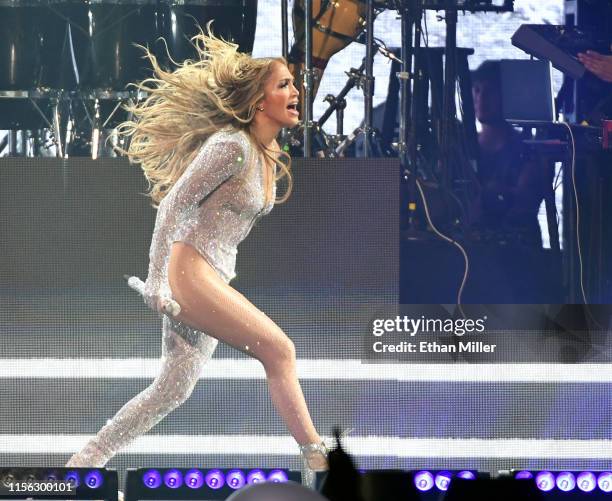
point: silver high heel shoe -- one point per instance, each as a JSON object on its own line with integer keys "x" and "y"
{"x": 314, "y": 459}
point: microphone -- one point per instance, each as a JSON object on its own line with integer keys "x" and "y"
{"x": 168, "y": 305}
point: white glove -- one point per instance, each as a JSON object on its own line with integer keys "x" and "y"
{"x": 165, "y": 304}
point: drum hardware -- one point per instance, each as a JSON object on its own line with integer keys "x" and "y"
{"x": 359, "y": 80}
{"x": 339, "y": 104}
{"x": 308, "y": 81}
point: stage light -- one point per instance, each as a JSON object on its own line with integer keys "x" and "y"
{"x": 8, "y": 479}
{"x": 152, "y": 479}
{"x": 466, "y": 475}
{"x": 94, "y": 479}
{"x": 604, "y": 481}
{"x": 277, "y": 476}
{"x": 586, "y": 481}
{"x": 566, "y": 481}
{"x": 423, "y": 480}
{"x": 50, "y": 477}
{"x": 235, "y": 479}
{"x": 173, "y": 479}
{"x": 443, "y": 479}
{"x": 194, "y": 479}
{"x": 72, "y": 477}
{"x": 545, "y": 481}
{"x": 523, "y": 475}
{"x": 215, "y": 479}
{"x": 255, "y": 477}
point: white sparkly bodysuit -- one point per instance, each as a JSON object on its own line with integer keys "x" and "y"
{"x": 212, "y": 207}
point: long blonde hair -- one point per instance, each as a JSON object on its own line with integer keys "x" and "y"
{"x": 186, "y": 106}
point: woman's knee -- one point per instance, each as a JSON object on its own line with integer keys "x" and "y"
{"x": 281, "y": 352}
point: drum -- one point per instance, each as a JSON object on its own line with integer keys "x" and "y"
{"x": 234, "y": 20}
{"x": 90, "y": 44}
{"x": 20, "y": 56}
{"x": 65, "y": 44}
{"x": 335, "y": 25}
{"x": 115, "y": 26}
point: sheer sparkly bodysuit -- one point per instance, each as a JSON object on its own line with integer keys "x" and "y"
{"x": 212, "y": 207}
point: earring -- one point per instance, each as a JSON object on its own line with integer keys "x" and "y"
{"x": 259, "y": 109}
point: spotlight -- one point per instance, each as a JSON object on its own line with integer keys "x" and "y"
{"x": 255, "y": 477}
{"x": 277, "y": 476}
{"x": 72, "y": 477}
{"x": 586, "y": 481}
{"x": 8, "y": 479}
{"x": 152, "y": 479}
{"x": 523, "y": 475}
{"x": 51, "y": 477}
{"x": 173, "y": 479}
{"x": 566, "y": 481}
{"x": 423, "y": 480}
{"x": 604, "y": 481}
{"x": 235, "y": 479}
{"x": 215, "y": 479}
{"x": 93, "y": 479}
{"x": 194, "y": 479}
{"x": 466, "y": 475}
{"x": 443, "y": 480}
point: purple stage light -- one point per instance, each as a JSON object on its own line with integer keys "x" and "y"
{"x": 255, "y": 477}
{"x": 72, "y": 477}
{"x": 566, "y": 481}
{"x": 604, "y": 481}
{"x": 94, "y": 479}
{"x": 522, "y": 475}
{"x": 423, "y": 480}
{"x": 277, "y": 476}
{"x": 173, "y": 479}
{"x": 235, "y": 479}
{"x": 51, "y": 477}
{"x": 443, "y": 480}
{"x": 215, "y": 479}
{"x": 545, "y": 481}
{"x": 466, "y": 475}
{"x": 194, "y": 479}
{"x": 152, "y": 479}
{"x": 586, "y": 481}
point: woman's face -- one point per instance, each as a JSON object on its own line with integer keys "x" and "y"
{"x": 281, "y": 98}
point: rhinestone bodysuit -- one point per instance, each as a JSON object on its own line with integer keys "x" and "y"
{"x": 212, "y": 207}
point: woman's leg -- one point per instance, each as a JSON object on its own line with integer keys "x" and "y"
{"x": 181, "y": 365}
{"x": 209, "y": 304}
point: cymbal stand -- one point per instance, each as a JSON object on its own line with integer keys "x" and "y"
{"x": 356, "y": 79}
{"x": 368, "y": 82}
{"x": 285, "y": 50}
{"x": 308, "y": 80}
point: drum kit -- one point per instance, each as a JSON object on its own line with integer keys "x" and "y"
{"x": 65, "y": 65}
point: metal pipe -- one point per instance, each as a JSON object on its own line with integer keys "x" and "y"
{"x": 285, "y": 29}
{"x": 368, "y": 87}
{"x": 308, "y": 80}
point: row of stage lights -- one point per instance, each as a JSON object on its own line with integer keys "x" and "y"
{"x": 567, "y": 481}
{"x": 213, "y": 479}
{"x": 426, "y": 480}
{"x": 93, "y": 479}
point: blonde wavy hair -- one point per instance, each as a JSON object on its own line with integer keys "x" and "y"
{"x": 186, "y": 106}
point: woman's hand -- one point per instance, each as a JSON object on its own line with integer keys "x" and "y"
{"x": 598, "y": 64}
{"x": 161, "y": 304}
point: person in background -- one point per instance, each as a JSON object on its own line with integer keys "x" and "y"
{"x": 512, "y": 181}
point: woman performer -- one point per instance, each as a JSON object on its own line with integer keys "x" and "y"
{"x": 205, "y": 139}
